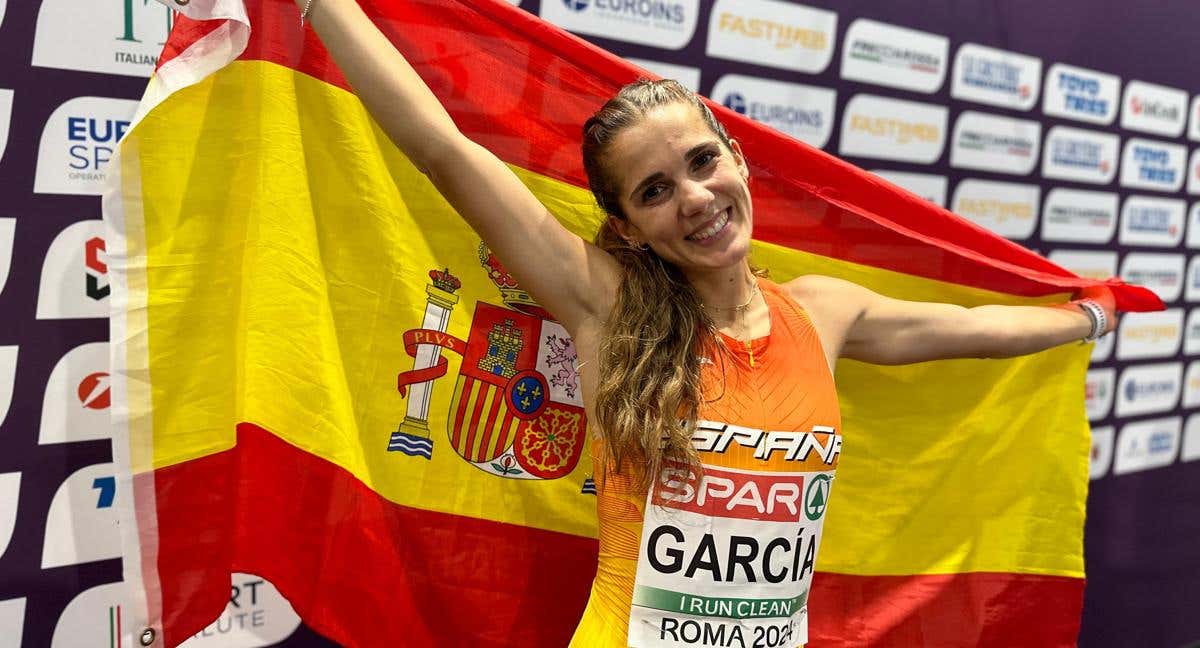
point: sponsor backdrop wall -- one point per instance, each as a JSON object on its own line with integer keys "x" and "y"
{"x": 1072, "y": 127}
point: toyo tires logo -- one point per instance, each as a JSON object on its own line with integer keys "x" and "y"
{"x": 576, "y": 5}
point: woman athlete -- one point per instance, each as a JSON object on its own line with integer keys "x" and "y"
{"x": 708, "y": 530}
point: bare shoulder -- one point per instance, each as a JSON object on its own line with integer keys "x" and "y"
{"x": 819, "y": 286}
{"x": 828, "y": 296}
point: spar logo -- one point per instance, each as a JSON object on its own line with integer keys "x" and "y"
{"x": 6, "y": 100}
{"x": 515, "y": 410}
{"x": 74, "y": 282}
{"x": 996, "y": 77}
{"x": 122, "y": 37}
{"x": 1146, "y": 220}
{"x": 1082, "y": 94}
{"x": 802, "y": 111}
{"x": 897, "y": 57}
{"x": 78, "y": 141}
{"x": 772, "y": 33}
{"x": 994, "y": 143}
{"x": 660, "y": 23}
{"x": 1081, "y": 155}
{"x": 1098, "y": 392}
{"x": 1147, "y": 164}
{"x": 1079, "y": 216}
{"x": 1146, "y": 445}
{"x": 1146, "y": 389}
{"x": 892, "y": 129}
{"x": 1154, "y": 109}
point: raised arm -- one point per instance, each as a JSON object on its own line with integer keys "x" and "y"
{"x": 867, "y": 326}
{"x": 573, "y": 279}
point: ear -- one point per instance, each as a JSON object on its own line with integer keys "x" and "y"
{"x": 627, "y": 231}
{"x": 740, "y": 159}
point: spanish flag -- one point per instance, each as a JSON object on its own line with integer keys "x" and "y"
{"x": 319, "y": 369}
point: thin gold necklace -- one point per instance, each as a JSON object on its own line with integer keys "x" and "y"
{"x": 740, "y": 310}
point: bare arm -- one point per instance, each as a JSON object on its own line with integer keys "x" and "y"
{"x": 873, "y": 328}
{"x": 573, "y": 279}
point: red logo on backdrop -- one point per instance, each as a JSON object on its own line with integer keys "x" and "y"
{"x": 92, "y": 249}
{"x": 1137, "y": 105}
{"x": 94, "y": 391}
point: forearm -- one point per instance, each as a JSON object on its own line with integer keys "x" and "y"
{"x": 1008, "y": 331}
{"x": 387, "y": 85}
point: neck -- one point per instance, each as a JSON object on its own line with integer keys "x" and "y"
{"x": 724, "y": 288}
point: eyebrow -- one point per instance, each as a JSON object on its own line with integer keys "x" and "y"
{"x": 659, "y": 175}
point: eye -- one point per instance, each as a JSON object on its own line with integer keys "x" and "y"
{"x": 703, "y": 159}
{"x": 652, "y": 192}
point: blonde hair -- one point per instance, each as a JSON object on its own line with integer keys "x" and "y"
{"x": 649, "y": 393}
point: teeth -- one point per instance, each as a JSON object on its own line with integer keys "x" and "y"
{"x": 712, "y": 229}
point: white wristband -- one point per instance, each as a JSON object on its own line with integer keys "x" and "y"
{"x": 1095, "y": 312}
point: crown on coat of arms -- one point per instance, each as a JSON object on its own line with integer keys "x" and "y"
{"x": 444, "y": 280}
{"x": 510, "y": 292}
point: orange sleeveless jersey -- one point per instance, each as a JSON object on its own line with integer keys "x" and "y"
{"x": 726, "y": 558}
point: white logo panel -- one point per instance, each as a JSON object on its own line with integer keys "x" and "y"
{"x": 1102, "y": 451}
{"x": 1191, "y": 385}
{"x": 891, "y": 129}
{"x": 1193, "y": 173}
{"x": 12, "y": 611}
{"x": 81, "y": 525}
{"x": 1148, "y": 389}
{"x": 1161, "y": 273}
{"x": 993, "y": 143}
{"x": 74, "y": 281}
{"x": 1006, "y": 208}
{"x": 1191, "y": 335}
{"x": 687, "y": 76}
{"x": 928, "y": 186}
{"x": 805, "y": 112}
{"x": 996, "y": 77}
{"x": 1146, "y": 220}
{"x": 8, "y": 378}
{"x": 1099, "y": 264}
{"x": 1080, "y": 155}
{"x": 78, "y": 141}
{"x": 76, "y": 403}
{"x": 93, "y": 616}
{"x": 10, "y": 494}
{"x": 1193, "y": 226}
{"x": 1103, "y": 348}
{"x": 1147, "y": 444}
{"x": 772, "y": 33}
{"x": 257, "y": 615}
{"x": 3, "y": 3}
{"x": 1154, "y": 109}
{"x": 1146, "y": 164}
{"x": 6, "y": 101}
{"x": 1082, "y": 94}
{"x": 1079, "y": 216}
{"x": 1149, "y": 335}
{"x": 1098, "y": 392}
{"x": 1191, "y": 289}
{"x": 1191, "y": 439}
{"x": 896, "y": 57}
{"x": 669, "y": 24}
{"x": 8, "y": 231}
{"x": 1194, "y": 120}
{"x": 104, "y": 37}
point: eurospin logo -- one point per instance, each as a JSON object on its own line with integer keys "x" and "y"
{"x": 77, "y": 142}
{"x": 1098, "y": 392}
{"x": 1148, "y": 389}
{"x": 1147, "y": 220}
{"x": 667, "y": 24}
{"x": 772, "y": 33}
{"x": 993, "y": 143}
{"x": 1161, "y": 273}
{"x": 1006, "y": 208}
{"x": 927, "y": 186}
{"x": 1080, "y": 93}
{"x": 1079, "y": 216}
{"x": 1150, "y": 335}
{"x": 1080, "y": 155}
{"x": 1146, "y": 164}
{"x": 6, "y": 100}
{"x": 120, "y": 37}
{"x": 805, "y": 112}
{"x": 1154, "y": 109}
{"x": 1147, "y": 444}
{"x": 898, "y": 57}
{"x": 996, "y": 77}
{"x": 892, "y": 129}
{"x": 74, "y": 281}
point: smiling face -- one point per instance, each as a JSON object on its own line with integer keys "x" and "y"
{"x": 681, "y": 190}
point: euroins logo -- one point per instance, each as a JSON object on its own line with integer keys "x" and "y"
{"x": 1152, "y": 220}
{"x": 1082, "y": 94}
{"x": 639, "y": 10}
{"x": 781, "y": 116}
{"x": 1135, "y": 390}
{"x": 1079, "y": 154}
{"x": 997, "y": 75}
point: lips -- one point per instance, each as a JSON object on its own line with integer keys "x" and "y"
{"x": 710, "y": 230}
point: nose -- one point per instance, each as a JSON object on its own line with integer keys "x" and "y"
{"x": 695, "y": 198}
